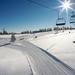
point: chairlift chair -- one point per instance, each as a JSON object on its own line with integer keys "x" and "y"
{"x": 60, "y": 22}
{"x": 72, "y": 19}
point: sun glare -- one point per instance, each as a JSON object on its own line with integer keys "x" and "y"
{"x": 65, "y": 5}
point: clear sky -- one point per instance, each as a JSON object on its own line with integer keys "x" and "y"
{"x": 20, "y": 15}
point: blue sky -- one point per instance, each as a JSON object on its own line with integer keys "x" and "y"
{"x": 20, "y": 15}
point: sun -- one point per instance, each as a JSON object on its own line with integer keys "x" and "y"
{"x": 65, "y": 5}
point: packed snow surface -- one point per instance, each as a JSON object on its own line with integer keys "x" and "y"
{"x": 13, "y": 62}
{"x": 60, "y": 45}
{"x": 23, "y": 58}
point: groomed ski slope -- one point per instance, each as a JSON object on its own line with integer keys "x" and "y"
{"x": 13, "y": 62}
{"x": 60, "y": 45}
{"x": 24, "y": 58}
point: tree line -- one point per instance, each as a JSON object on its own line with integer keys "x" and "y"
{"x": 38, "y": 31}
{"x": 48, "y": 29}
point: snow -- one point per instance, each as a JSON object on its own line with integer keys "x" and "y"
{"x": 41, "y": 63}
{"x": 60, "y": 45}
{"x": 7, "y": 38}
{"x": 13, "y": 62}
{"x": 24, "y": 58}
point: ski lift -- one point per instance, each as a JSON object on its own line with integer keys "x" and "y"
{"x": 72, "y": 18}
{"x": 60, "y": 21}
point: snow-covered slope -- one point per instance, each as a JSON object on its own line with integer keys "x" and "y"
{"x": 13, "y": 62}
{"x": 24, "y": 58}
{"x": 60, "y": 45}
